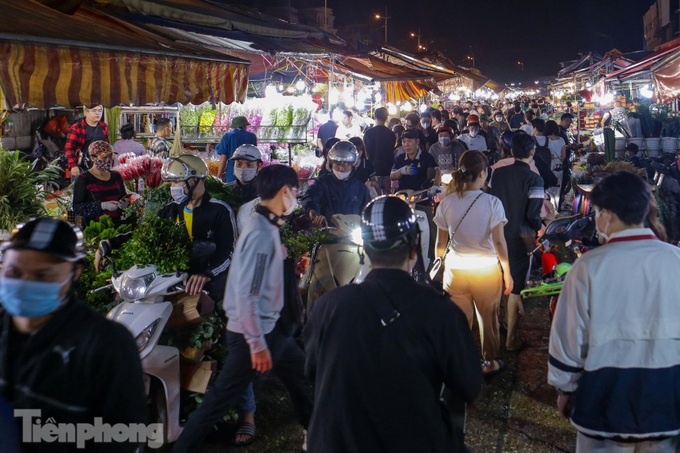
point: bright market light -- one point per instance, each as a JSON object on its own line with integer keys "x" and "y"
{"x": 333, "y": 96}
{"x": 280, "y": 87}
{"x": 360, "y": 105}
{"x": 406, "y": 107}
{"x": 646, "y": 92}
{"x": 336, "y": 114}
{"x": 349, "y": 101}
{"x": 270, "y": 91}
{"x": 608, "y": 98}
{"x": 423, "y": 107}
{"x": 454, "y": 97}
{"x": 377, "y": 97}
{"x": 391, "y": 109}
{"x": 291, "y": 89}
{"x": 300, "y": 85}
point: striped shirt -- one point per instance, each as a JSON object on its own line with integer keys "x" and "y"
{"x": 89, "y": 192}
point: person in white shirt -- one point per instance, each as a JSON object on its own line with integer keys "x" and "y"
{"x": 472, "y": 139}
{"x": 347, "y": 128}
{"x": 474, "y": 223}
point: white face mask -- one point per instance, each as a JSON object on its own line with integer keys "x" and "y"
{"x": 290, "y": 203}
{"x": 602, "y": 236}
{"x": 499, "y": 119}
{"x": 342, "y": 175}
{"x": 473, "y": 134}
{"x": 245, "y": 174}
{"x": 178, "y": 194}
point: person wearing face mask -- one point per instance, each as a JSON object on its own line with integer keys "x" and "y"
{"x": 257, "y": 339}
{"x": 614, "y": 356}
{"x": 338, "y": 192}
{"x": 446, "y": 151}
{"x": 99, "y": 191}
{"x": 57, "y": 355}
{"x": 499, "y": 122}
{"x": 428, "y": 131}
{"x": 247, "y": 163}
{"x": 472, "y": 138}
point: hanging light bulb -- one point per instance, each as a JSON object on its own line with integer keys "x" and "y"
{"x": 377, "y": 97}
{"x": 423, "y": 107}
{"x": 391, "y": 109}
{"x": 333, "y": 96}
{"x": 646, "y": 92}
{"x": 300, "y": 85}
{"x": 349, "y": 101}
{"x": 270, "y": 91}
{"x": 280, "y": 87}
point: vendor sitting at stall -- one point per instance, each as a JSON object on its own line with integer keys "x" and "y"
{"x": 338, "y": 192}
{"x": 99, "y": 191}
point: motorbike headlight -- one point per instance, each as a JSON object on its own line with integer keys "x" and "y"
{"x": 146, "y": 335}
{"x": 134, "y": 288}
{"x": 356, "y": 237}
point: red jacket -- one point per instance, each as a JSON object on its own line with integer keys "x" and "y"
{"x": 76, "y": 139}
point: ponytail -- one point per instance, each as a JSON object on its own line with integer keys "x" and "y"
{"x": 470, "y": 167}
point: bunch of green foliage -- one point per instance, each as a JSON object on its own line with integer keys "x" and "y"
{"x": 20, "y": 197}
{"x": 102, "y": 229}
{"x": 299, "y": 237}
{"x": 219, "y": 190}
{"x": 157, "y": 241}
{"x": 150, "y": 202}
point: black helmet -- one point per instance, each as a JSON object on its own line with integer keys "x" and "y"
{"x": 506, "y": 140}
{"x": 388, "y": 222}
{"x": 48, "y": 235}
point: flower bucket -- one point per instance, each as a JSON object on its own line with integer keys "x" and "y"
{"x": 653, "y": 145}
{"x": 669, "y": 144}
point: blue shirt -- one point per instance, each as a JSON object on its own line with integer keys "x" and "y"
{"x": 230, "y": 141}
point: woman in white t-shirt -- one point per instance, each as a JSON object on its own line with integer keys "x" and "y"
{"x": 475, "y": 221}
{"x": 558, "y": 151}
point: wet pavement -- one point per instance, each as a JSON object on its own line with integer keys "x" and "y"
{"x": 515, "y": 413}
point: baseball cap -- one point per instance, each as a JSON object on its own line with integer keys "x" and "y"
{"x": 567, "y": 115}
{"x": 472, "y": 119}
{"x": 48, "y": 235}
{"x": 444, "y": 128}
{"x": 632, "y": 147}
{"x": 239, "y": 121}
{"x": 410, "y": 133}
{"x": 484, "y": 117}
{"x": 247, "y": 152}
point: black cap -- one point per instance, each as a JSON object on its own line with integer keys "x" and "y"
{"x": 387, "y": 222}
{"x": 632, "y": 147}
{"x": 410, "y": 133}
{"x": 567, "y": 115}
{"x": 48, "y": 235}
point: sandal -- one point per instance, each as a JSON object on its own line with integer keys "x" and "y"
{"x": 499, "y": 368}
{"x": 522, "y": 344}
{"x": 246, "y": 429}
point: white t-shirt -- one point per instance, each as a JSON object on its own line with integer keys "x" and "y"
{"x": 528, "y": 128}
{"x": 472, "y": 246}
{"x": 478, "y": 142}
{"x": 555, "y": 147}
{"x": 345, "y": 133}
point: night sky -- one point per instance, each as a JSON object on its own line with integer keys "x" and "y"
{"x": 540, "y": 33}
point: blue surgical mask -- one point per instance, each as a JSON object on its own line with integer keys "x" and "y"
{"x": 444, "y": 141}
{"x": 30, "y": 299}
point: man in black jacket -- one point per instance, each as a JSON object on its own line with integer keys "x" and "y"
{"x": 58, "y": 356}
{"x": 380, "y": 352}
{"x": 521, "y": 192}
{"x": 338, "y": 192}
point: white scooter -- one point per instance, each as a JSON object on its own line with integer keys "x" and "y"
{"x": 145, "y": 311}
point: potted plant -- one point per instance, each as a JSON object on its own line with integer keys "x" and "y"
{"x": 21, "y": 196}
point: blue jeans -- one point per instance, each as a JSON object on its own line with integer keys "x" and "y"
{"x": 237, "y": 374}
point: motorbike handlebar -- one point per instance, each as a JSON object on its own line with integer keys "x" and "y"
{"x": 102, "y": 288}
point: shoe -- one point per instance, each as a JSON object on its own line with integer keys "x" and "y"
{"x": 522, "y": 344}
{"x": 500, "y": 368}
{"x": 304, "y": 441}
{"x": 246, "y": 429}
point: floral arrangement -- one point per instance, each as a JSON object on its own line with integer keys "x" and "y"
{"x": 132, "y": 167}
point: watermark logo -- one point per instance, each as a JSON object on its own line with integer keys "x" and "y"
{"x": 35, "y": 430}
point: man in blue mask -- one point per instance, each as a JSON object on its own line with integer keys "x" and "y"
{"x": 58, "y": 357}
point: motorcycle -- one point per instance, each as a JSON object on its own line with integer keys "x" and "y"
{"x": 563, "y": 242}
{"x": 145, "y": 310}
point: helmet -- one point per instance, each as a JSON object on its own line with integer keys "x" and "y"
{"x": 184, "y": 167}
{"x": 247, "y": 152}
{"x": 388, "y": 222}
{"x": 506, "y": 140}
{"x": 343, "y": 151}
{"x": 48, "y": 235}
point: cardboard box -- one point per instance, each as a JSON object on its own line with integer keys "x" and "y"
{"x": 195, "y": 376}
{"x": 188, "y": 310}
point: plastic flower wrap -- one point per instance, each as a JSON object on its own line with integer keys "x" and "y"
{"x": 135, "y": 167}
{"x": 189, "y": 118}
{"x": 222, "y": 120}
{"x": 206, "y": 121}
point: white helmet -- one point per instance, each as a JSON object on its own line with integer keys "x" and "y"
{"x": 184, "y": 167}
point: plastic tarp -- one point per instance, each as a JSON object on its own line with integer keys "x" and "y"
{"x": 44, "y": 76}
{"x": 666, "y": 75}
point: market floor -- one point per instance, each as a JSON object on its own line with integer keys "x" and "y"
{"x": 515, "y": 413}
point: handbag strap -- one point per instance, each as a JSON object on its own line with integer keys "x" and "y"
{"x": 448, "y": 244}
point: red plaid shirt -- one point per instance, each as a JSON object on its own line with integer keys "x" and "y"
{"x": 76, "y": 139}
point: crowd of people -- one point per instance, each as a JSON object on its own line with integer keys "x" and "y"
{"x": 388, "y": 363}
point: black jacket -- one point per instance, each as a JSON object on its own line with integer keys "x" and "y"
{"x": 521, "y": 192}
{"x": 77, "y": 367}
{"x": 213, "y": 222}
{"x": 369, "y": 394}
{"x": 328, "y": 196}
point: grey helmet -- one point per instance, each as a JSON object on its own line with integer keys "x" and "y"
{"x": 344, "y": 151}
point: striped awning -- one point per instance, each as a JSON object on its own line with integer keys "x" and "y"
{"x": 44, "y": 76}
